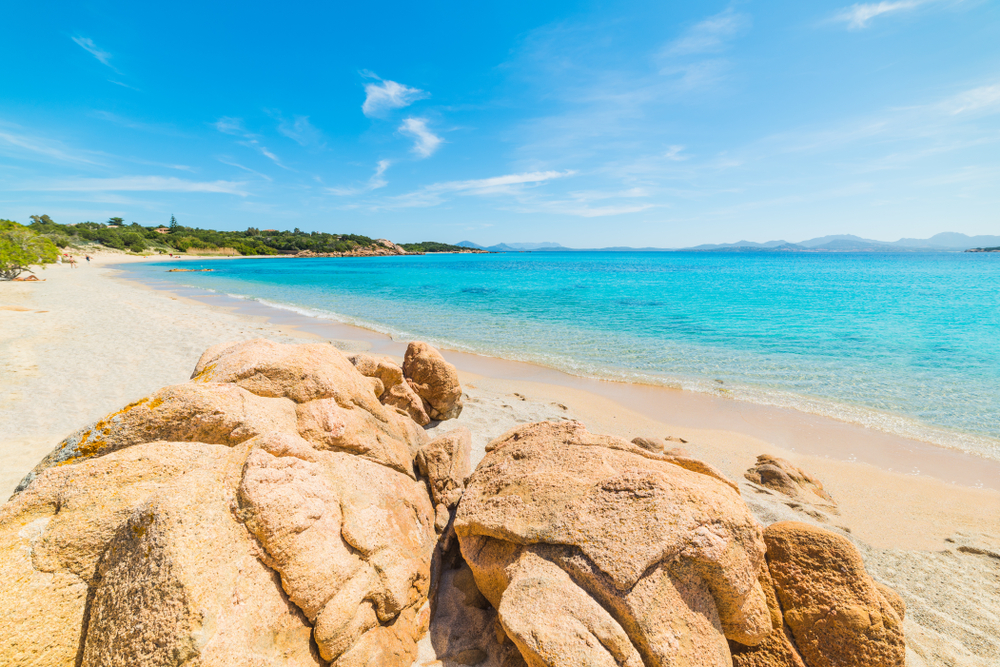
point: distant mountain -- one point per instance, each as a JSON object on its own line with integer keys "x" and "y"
{"x": 832, "y": 243}
{"x": 852, "y": 243}
{"x": 849, "y": 242}
{"x": 739, "y": 244}
{"x": 951, "y": 241}
{"x": 514, "y": 247}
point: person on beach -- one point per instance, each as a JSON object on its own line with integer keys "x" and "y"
{"x": 88, "y": 258}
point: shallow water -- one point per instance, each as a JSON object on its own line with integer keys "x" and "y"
{"x": 906, "y": 343}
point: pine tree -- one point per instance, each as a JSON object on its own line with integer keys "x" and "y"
{"x": 173, "y": 223}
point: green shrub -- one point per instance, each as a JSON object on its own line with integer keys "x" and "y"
{"x": 21, "y": 248}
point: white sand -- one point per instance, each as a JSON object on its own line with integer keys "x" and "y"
{"x": 84, "y": 343}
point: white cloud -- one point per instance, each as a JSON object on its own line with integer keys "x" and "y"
{"x": 43, "y": 147}
{"x": 603, "y": 211}
{"x": 689, "y": 60}
{"x": 228, "y": 125}
{"x": 386, "y": 95}
{"x": 483, "y": 186}
{"x": 247, "y": 169}
{"x": 858, "y": 16}
{"x": 376, "y": 180}
{"x": 431, "y": 195}
{"x": 257, "y": 146}
{"x": 300, "y": 131}
{"x": 88, "y": 45}
{"x": 674, "y": 153}
{"x": 698, "y": 75}
{"x": 710, "y": 36}
{"x": 978, "y": 99}
{"x": 425, "y": 141}
{"x": 234, "y": 126}
{"x": 123, "y": 85}
{"x": 143, "y": 184}
{"x": 374, "y": 183}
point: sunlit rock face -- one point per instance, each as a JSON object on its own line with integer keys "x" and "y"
{"x": 268, "y": 512}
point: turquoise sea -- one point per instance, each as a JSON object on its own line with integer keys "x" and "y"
{"x": 908, "y": 343}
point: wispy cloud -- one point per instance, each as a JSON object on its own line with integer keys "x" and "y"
{"x": 235, "y": 127}
{"x": 425, "y": 142}
{"x": 44, "y": 147}
{"x": 141, "y": 184}
{"x": 87, "y": 44}
{"x": 580, "y": 203}
{"x": 154, "y": 128}
{"x": 497, "y": 184}
{"x": 858, "y": 16}
{"x": 374, "y": 183}
{"x": 385, "y": 95}
{"x": 300, "y": 130}
{"x": 246, "y": 169}
{"x": 599, "y": 211}
{"x": 692, "y": 58}
{"x": 983, "y": 98}
{"x": 712, "y": 35}
{"x": 508, "y": 184}
{"x": 674, "y": 153}
{"x": 228, "y": 125}
{"x": 698, "y": 75}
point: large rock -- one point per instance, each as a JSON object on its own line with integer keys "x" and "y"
{"x": 785, "y": 478}
{"x": 352, "y": 540}
{"x": 434, "y": 380}
{"x": 682, "y": 458}
{"x": 465, "y": 629}
{"x": 299, "y": 372}
{"x": 292, "y": 530}
{"x": 53, "y": 534}
{"x": 396, "y": 391}
{"x": 445, "y": 463}
{"x": 835, "y": 611}
{"x": 218, "y": 414}
{"x": 388, "y": 438}
{"x": 597, "y": 551}
{"x": 181, "y": 583}
{"x": 778, "y": 649}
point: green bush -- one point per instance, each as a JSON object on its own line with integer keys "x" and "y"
{"x": 134, "y": 241}
{"x": 21, "y": 248}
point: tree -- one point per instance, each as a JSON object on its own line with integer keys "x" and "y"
{"x": 116, "y": 221}
{"x": 21, "y": 248}
{"x": 42, "y": 220}
{"x": 135, "y": 242}
{"x": 173, "y": 223}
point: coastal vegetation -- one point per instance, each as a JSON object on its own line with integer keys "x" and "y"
{"x": 174, "y": 237}
{"x": 21, "y": 248}
{"x": 433, "y": 246}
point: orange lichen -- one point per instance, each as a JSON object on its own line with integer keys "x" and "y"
{"x": 203, "y": 376}
{"x": 90, "y": 444}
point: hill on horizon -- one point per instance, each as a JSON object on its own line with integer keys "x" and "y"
{"x": 943, "y": 241}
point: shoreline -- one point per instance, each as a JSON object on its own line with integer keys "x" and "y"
{"x": 89, "y": 341}
{"x": 790, "y": 427}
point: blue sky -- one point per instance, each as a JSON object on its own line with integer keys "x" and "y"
{"x": 585, "y": 123}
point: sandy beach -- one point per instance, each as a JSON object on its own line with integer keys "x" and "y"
{"x": 86, "y": 342}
